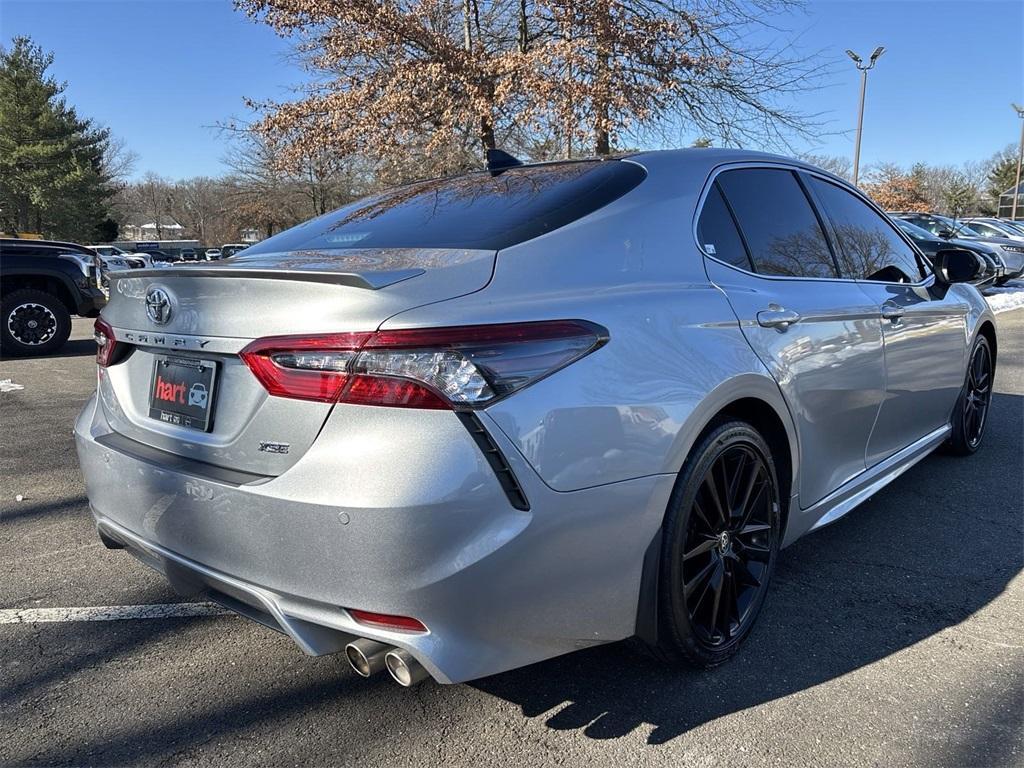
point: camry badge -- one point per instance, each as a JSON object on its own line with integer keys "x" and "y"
{"x": 158, "y": 305}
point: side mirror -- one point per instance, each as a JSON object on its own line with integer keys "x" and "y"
{"x": 945, "y": 234}
{"x": 954, "y": 265}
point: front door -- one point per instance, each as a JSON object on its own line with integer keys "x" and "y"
{"x": 924, "y": 329}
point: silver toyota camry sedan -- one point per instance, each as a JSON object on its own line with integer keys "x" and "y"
{"x": 476, "y": 422}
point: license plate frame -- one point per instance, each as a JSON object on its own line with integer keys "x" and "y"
{"x": 182, "y": 392}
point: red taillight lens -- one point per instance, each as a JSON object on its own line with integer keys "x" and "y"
{"x": 106, "y": 343}
{"x": 387, "y": 621}
{"x": 400, "y": 393}
{"x": 463, "y": 366}
{"x": 304, "y": 368}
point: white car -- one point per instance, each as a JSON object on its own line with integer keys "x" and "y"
{"x": 110, "y": 254}
{"x": 212, "y": 254}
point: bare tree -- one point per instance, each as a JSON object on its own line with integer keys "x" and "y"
{"x": 839, "y": 165}
{"x": 452, "y": 79}
{"x": 118, "y": 161}
{"x": 154, "y": 195}
{"x": 198, "y": 205}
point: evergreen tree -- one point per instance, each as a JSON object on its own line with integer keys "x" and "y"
{"x": 1002, "y": 176}
{"x": 52, "y": 175}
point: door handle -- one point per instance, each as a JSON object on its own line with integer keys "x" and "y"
{"x": 776, "y": 317}
{"x": 891, "y": 311}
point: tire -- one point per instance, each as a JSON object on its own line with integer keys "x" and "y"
{"x": 970, "y": 414}
{"x": 33, "y": 322}
{"x": 740, "y": 558}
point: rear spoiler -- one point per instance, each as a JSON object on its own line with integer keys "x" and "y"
{"x": 372, "y": 280}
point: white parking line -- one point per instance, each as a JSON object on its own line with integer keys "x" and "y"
{"x": 110, "y": 613}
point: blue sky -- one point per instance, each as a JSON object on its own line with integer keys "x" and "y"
{"x": 161, "y": 73}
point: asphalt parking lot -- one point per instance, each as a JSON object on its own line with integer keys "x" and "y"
{"x": 894, "y": 637}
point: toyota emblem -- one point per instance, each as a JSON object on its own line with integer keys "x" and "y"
{"x": 158, "y": 305}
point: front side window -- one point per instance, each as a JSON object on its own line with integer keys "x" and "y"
{"x": 869, "y": 248}
{"x": 777, "y": 222}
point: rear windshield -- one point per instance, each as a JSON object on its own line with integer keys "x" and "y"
{"x": 477, "y": 210}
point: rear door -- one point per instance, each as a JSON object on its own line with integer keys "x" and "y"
{"x": 819, "y": 335}
{"x": 924, "y": 329}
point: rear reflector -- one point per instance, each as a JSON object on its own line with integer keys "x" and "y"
{"x": 463, "y": 366}
{"x": 387, "y": 621}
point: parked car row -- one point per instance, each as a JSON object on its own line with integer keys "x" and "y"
{"x": 45, "y": 282}
{"x": 213, "y": 254}
{"x": 1000, "y": 243}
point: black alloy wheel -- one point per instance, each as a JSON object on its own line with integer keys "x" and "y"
{"x": 722, "y": 536}
{"x": 978, "y": 394}
{"x": 33, "y": 322}
{"x": 728, "y": 545}
{"x": 971, "y": 413}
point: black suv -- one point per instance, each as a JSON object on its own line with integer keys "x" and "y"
{"x": 43, "y": 283}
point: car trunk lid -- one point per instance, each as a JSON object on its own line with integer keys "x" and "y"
{"x": 180, "y": 322}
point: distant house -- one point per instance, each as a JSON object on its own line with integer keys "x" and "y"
{"x": 168, "y": 229}
{"x": 1006, "y": 202}
{"x": 251, "y": 235}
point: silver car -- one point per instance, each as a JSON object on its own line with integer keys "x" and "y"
{"x": 481, "y": 421}
{"x": 992, "y": 227}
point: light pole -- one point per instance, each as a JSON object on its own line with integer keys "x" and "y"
{"x": 1020, "y": 160}
{"x": 860, "y": 112}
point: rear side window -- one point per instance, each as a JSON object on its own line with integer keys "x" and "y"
{"x": 717, "y": 233}
{"x": 933, "y": 226}
{"x": 477, "y": 210}
{"x": 777, "y": 222}
{"x": 869, "y": 247}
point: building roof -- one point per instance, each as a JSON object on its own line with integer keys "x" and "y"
{"x": 154, "y": 225}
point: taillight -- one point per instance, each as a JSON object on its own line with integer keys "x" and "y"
{"x": 459, "y": 367}
{"x": 106, "y": 342}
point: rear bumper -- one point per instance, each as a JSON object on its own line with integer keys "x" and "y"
{"x": 396, "y": 529}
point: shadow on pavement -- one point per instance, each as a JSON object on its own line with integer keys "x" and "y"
{"x": 919, "y": 557}
{"x": 923, "y": 555}
{"x": 73, "y": 348}
{"x": 26, "y": 510}
{"x": 105, "y": 647}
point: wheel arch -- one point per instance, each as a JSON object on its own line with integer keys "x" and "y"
{"x": 988, "y": 329}
{"x": 55, "y": 286}
{"x": 778, "y": 431}
{"x": 766, "y": 420}
{"x": 756, "y": 399}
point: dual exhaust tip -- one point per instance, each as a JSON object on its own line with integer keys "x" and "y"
{"x": 368, "y": 657}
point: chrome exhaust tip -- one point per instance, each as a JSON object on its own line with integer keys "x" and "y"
{"x": 366, "y": 656}
{"x": 404, "y": 669}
